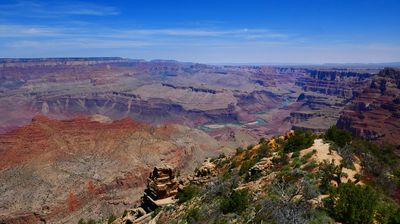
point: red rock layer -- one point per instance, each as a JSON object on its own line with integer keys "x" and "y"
{"x": 375, "y": 114}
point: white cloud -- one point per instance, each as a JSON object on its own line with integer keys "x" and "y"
{"x": 27, "y": 31}
{"x": 12, "y": 30}
{"x": 22, "y": 8}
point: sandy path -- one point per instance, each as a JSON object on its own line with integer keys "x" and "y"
{"x": 323, "y": 153}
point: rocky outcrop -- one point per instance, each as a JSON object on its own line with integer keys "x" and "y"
{"x": 374, "y": 115}
{"x": 161, "y": 190}
{"x": 203, "y": 173}
{"x": 324, "y": 95}
{"x": 337, "y": 83}
{"x": 162, "y": 187}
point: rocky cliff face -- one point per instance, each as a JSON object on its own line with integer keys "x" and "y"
{"x": 338, "y": 83}
{"x": 324, "y": 96}
{"x": 61, "y": 170}
{"x": 161, "y": 92}
{"x": 155, "y": 92}
{"x": 374, "y": 114}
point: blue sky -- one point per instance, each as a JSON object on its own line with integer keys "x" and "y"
{"x": 297, "y": 31}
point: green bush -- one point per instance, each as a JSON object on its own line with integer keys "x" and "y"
{"x": 91, "y": 221}
{"x": 239, "y": 150}
{"x": 384, "y": 153}
{"x": 187, "y": 193}
{"x": 339, "y": 136}
{"x": 321, "y": 217}
{"x": 300, "y": 140}
{"x": 327, "y": 172}
{"x": 193, "y": 215}
{"x": 396, "y": 174}
{"x": 111, "y": 219}
{"x": 221, "y": 155}
{"x": 262, "y": 141}
{"x": 347, "y": 153}
{"x": 246, "y": 165}
{"x": 306, "y": 157}
{"x": 236, "y": 203}
{"x": 296, "y": 154}
{"x": 388, "y": 213}
{"x": 281, "y": 160}
{"x": 263, "y": 151}
{"x": 351, "y": 203}
{"x": 311, "y": 165}
{"x": 296, "y": 163}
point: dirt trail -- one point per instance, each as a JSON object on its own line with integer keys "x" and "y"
{"x": 323, "y": 153}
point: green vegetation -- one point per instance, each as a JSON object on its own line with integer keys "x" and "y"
{"x": 90, "y": 221}
{"x": 246, "y": 165}
{"x": 300, "y": 140}
{"x": 328, "y": 171}
{"x": 187, "y": 193}
{"x": 263, "y": 151}
{"x": 339, "y": 136}
{"x": 351, "y": 203}
{"x": 111, "y": 218}
{"x": 239, "y": 150}
{"x": 237, "y": 202}
{"x": 193, "y": 215}
{"x": 287, "y": 195}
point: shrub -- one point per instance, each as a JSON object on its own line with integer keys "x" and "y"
{"x": 246, "y": 165}
{"x": 311, "y": 165}
{"x": 388, "y": 213}
{"x": 193, "y": 215}
{"x": 233, "y": 164}
{"x": 328, "y": 171}
{"x": 221, "y": 155}
{"x": 351, "y": 203}
{"x": 296, "y": 163}
{"x": 282, "y": 159}
{"x": 91, "y": 221}
{"x": 111, "y": 219}
{"x": 321, "y": 217}
{"x": 384, "y": 153}
{"x": 339, "y": 136}
{"x": 306, "y": 157}
{"x": 347, "y": 154}
{"x": 300, "y": 140}
{"x": 156, "y": 211}
{"x": 396, "y": 174}
{"x": 263, "y": 151}
{"x": 296, "y": 154}
{"x": 237, "y": 202}
{"x": 187, "y": 193}
{"x": 239, "y": 150}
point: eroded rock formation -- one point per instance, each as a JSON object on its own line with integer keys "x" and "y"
{"x": 375, "y": 113}
{"x": 162, "y": 187}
